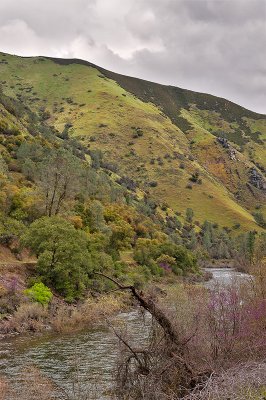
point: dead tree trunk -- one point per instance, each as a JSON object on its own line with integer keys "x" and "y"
{"x": 150, "y": 306}
{"x": 176, "y": 348}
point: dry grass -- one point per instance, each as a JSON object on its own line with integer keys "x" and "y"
{"x": 28, "y": 317}
{"x": 92, "y": 312}
{"x": 243, "y": 382}
{"x": 61, "y": 317}
{"x": 33, "y": 386}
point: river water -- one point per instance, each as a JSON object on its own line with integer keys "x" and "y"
{"x": 88, "y": 357}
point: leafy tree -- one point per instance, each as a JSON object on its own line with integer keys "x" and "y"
{"x": 259, "y": 218}
{"x": 39, "y": 293}
{"x": 250, "y": 245}
{"x": 9, "y": 229}
{"x": 96, "y": 217}
{"x": 122, "y": 235}
{"x": 56, "y": 171}
{"x": 192, "y": 243}
{"x": 63, "y": 257}
{"x": 146, "y": 250}
{"x": 58, "y": 179}
{"x": 189, "y": 215}
{"x": 258, "y": 268}
{"x": 166, "y": 254}
{"x": 167, "y": 263}
{"x": 3, "y": 168}
{"x": 216, "y": 241}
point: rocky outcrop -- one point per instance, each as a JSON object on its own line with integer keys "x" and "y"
{"x": 257, "y": 180}
{"x": 226, "y": 145}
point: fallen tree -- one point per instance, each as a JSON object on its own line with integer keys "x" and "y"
{"x": 162, "y": 370}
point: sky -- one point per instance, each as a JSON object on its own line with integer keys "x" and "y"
{"x": 212, "y": 46}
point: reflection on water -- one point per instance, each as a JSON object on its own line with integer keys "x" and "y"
{"x": 93, "y": 352}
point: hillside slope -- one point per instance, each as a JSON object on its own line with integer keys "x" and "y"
{"x": 186, "y": 149}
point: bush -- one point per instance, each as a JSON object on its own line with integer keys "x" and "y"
{"x": 39, "y": 293}
{"x": 153, "y": 183}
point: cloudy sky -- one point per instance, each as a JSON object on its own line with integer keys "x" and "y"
{"x": 214, "y": 46}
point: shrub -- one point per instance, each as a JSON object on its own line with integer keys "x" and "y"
{"x": 25, "y": 312}
{"x": 153, "y": 183}
{"x": 194, "y": 177}
{"x": 39, "y": 293}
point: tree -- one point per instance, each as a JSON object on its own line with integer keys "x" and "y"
{"x": 96, "y": 217}
{"x": 39, "y": 293}
{"x": 57, "y": 173}
{"x": 59, "y": 179}
{"x": 3, "y": 168}
{"x": 189, "y": 215}
{"x": 259, "y": 218}
{"x": 179, "y": 258}
{"x": 250, "y": 245}
{"x": 146, "y": 250}
{"x": 9, "y": 229}
{"x": 63, "y": 257}
{"x": 258, "y": 268}
{"x": 122, "y": 235}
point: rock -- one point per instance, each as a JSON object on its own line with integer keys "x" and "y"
{"x": 256, "y": 179}
{"x": 223, "y": 141}
{"x": 226, "y": 145}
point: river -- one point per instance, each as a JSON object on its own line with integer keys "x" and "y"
{"x": 89, "y": 357}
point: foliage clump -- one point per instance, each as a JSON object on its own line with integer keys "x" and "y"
{"x": 39, "y": 293}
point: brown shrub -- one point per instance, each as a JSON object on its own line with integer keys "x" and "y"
{"x": 87, "y": 314}
{"x": 28, "y": 317}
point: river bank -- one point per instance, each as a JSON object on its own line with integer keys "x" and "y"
{"x": 87, "y": 358}
{"x": 221, "y": 264}
{"x": 26, "y": 317}
{"x": 60, "y": 317}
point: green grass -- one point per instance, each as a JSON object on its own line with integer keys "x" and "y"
{"x": 105, "y": 109}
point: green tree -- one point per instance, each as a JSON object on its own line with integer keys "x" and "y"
{"x": 122, "y": 235}
{"x": 250, "y": 245}
{"x": 146, "y": 250}
{"x": 3, "y": 168}
{"x": 57, "y": 173}
{"x": 63, "y": 257}
{"x": 189, "y": 215}
{"x": 96, "y": 217}
{"x": 9, "y": 229}
{"x": 58, "y": 177}
{"x": 39, "y": 293}
{"x": 259, "y": 218}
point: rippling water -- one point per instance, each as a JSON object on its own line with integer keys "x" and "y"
{"x": 226, "y": 276}
{"x": 93, "y": 353}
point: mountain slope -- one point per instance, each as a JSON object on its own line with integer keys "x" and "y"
{"x": 187, "y": 149}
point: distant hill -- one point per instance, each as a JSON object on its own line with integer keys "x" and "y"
{"x": 186, "y": 149}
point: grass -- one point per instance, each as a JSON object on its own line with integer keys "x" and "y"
{"x": 109, "y": 108}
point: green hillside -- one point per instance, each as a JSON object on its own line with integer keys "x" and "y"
{"x": 185, "y": 149}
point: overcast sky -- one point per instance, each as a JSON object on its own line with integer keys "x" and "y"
{"x": 214, "y": 46}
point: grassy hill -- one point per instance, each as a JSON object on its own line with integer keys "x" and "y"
{"x": 186, "y": 149}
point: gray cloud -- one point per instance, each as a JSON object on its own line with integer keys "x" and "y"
{"x": 214, "y": 46}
